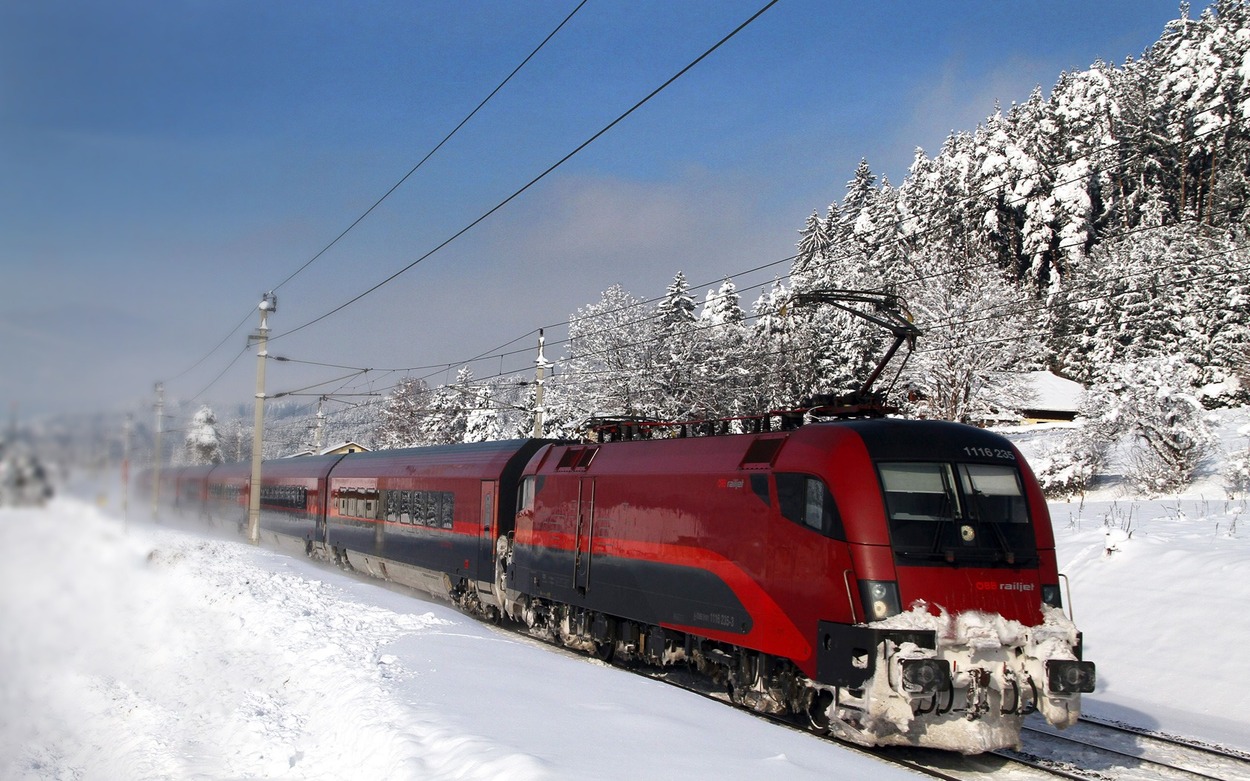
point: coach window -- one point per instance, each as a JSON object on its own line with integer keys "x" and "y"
{"x": 806, "y": 500}
{"x": 447, "y": 508}
{"x": 408, "y": 510}
{"x": 423, "y": 513}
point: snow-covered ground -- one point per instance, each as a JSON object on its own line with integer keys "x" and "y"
{"x": 161, "y": 654}
{"x": 148, "y": 652}
{"x": 1161, "y": 590}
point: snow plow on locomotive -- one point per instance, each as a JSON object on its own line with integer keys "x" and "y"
{"x": 890, "y": 581}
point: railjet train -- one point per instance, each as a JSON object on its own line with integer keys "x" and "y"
{"x": 888, "y": 581}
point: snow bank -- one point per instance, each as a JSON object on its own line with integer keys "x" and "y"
{"x": 165, "y": 655}
{"x": 1159, "y": 589}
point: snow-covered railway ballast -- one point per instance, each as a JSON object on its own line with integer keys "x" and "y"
{"x": 888, "y": 581}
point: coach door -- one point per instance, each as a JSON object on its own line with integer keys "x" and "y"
{"x": 488, "y": 527}
{"x": 585, "y": 533}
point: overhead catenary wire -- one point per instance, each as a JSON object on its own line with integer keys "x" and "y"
{"x": 393, "y": 188}
{"x": 988, "y": 189}
{"x": 437, "y": 146}
{"x": 933, "y": 211}
{"x": 1015, "y": 309}
{"x": 1035, "y": 307}
{"x": 536, "y": 179}
{"x": 587, "y": 375}
{"x": 998, "y": 186}
{"x": 913, "y": 280}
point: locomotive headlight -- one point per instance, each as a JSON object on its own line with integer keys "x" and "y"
{"x": 880, "y": 598}
{"x": 1069, "y": 676}
{"x": 1051, "y": 595}
{"x": 924, "y": 677}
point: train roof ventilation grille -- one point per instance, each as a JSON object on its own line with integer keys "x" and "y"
{"x": 762, "y": 452}
{"x": 577, "y": 459}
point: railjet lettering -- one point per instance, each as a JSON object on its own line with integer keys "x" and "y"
{"x": 991, "y": 585}
{"x": 722, "y": 483}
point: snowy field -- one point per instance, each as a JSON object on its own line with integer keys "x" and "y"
{"x": 147, "y": 652}
{"x": 1165, "y": 613}
{"x": 160, "y": 654}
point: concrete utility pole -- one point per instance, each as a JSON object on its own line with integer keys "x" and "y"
{"x": 156, "y": 455}
{"x": 321, "y": 421}
{"x": 543, "y": 363}
{"x": 268, "y": 303}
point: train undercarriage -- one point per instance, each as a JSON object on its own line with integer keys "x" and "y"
{"x": 897, "y": 685}
{"x": 953, "y": 699}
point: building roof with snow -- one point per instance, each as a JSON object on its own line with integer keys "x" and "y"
{"x": 1051, "y": 397}
{"x": 344, "y": 447}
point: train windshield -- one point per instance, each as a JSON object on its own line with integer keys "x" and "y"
{"x": 957, "y": 513}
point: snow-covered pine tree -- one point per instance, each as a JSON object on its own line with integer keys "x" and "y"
{"x": 446, "y": 421}
{"x": 719, "y": 379}
{"x": 1201, "y": 91}
{"x": 776, "y": 382}
{"x": 1171, "y": 436}
{"x": 611, "y": 366}
{"x": 678, "y": 350}
{"x": 677, "y": 308}
{"x": 202, "y": 445}
{"x": 814, "y": 242}
{"x": 1175, "y": 290}
{"x": 483, "y": 422}
{"x": 404, "y": 415}
{"x": 858, "y": 217}
{"x": 978, "y": 336}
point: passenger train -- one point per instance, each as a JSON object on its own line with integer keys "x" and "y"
{"x": 888, "y": 581}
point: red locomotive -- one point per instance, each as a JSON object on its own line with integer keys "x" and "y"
{"x": 892, "y": 581}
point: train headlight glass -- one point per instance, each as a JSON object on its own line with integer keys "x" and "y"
{"x": 1052, "y": 596}
{"x": 925, "y": 677}
{"x": 1069, "y": 676}
{"x": 880, "y": 598}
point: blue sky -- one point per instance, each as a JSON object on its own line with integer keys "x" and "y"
{"x": 162, "y": 164}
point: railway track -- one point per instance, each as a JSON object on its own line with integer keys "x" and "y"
{"x": 1104, "y": 749}
{"x": 1093, "y": 750}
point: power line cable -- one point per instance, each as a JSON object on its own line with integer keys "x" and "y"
{"x": 437, "y": 147}
{"x": 997, "y": 186}
{"x": 928, "y": 215}
{"x": 536, "y": 179}
{"x": 394, "y": 187}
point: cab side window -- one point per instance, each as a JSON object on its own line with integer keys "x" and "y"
{"x": 806, "y": 500}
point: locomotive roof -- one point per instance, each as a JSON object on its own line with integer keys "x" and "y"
{"x": 906, "y": 439}
{"x": 888, "y": 439}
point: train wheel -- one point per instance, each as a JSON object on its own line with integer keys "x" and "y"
{"x": 818, "y": 712}
{"x": 604, "y": 651}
